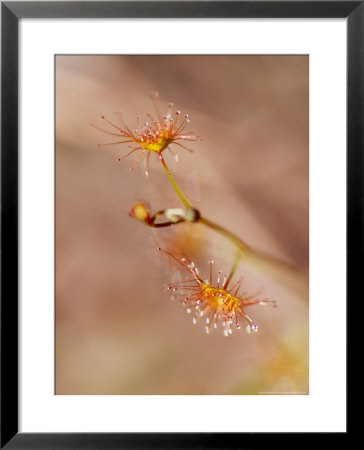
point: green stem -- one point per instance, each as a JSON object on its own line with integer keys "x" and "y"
{"x": 241, "y": 245}
{"x": 173, "y": 181}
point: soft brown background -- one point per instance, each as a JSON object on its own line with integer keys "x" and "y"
{"x": 117, "y": 332}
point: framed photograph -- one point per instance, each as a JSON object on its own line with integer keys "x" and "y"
{"x": 181, "y": 218}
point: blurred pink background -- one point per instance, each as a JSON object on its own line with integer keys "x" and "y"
{"x": 117, "y": 331}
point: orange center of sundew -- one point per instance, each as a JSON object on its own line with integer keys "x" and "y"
{"x": 157, "y": 144}
{"x": 220, "y": 299}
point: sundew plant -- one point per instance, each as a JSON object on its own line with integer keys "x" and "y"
{"x": 219, "y": 300}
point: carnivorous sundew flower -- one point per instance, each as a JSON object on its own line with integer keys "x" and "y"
{"x": 152, "y": 136}
{"x": 217, "y": 303}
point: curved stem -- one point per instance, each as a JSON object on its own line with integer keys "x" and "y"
{"x": 241, "y": 245}
{"x": 173, "y": 181}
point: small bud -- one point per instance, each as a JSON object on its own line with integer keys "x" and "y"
{"x": 140, "y": 211}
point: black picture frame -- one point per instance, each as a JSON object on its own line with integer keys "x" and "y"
{"x": 11, "y": 12}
